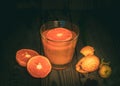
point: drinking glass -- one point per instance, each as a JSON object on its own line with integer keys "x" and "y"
{"x": 59, "y": 51}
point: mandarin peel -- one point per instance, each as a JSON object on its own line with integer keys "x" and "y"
{"x": 88, "y": 64}
{"x": 87, "y": 50}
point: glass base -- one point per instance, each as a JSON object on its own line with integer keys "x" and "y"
{"x": 60, "y": 67}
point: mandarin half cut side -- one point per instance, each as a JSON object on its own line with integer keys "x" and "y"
{"x": 39, "y": 66}
{"x": 23, "y": 55}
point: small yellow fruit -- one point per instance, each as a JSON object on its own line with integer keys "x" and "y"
{"x": 105, "y": 71}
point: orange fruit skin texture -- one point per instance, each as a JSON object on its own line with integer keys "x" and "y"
{"x": 105, "y": 71}
{"x": 23, "y": 55}
{"x": 87, "y": 50}
{"x": 88, "y": 64}
{"x": 39, "y": 66}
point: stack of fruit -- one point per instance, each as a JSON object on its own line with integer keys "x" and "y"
{"x": 90, "y": 63}
{"x": 38, "y": 66}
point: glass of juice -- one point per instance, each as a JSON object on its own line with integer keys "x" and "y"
{"x": 59, "y": 41}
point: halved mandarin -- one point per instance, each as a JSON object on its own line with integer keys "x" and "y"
{"x": 87, "y": 50}
{"x": 39, "y": 66}
{"x": 59, "y": 34}
{"x": 23, "y": 55}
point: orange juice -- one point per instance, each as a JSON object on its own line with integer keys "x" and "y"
{"x": 59, "y": 45}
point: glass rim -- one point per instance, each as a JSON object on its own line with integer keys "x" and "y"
{"x": 77, "y": 33}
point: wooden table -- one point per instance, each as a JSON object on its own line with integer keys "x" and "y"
{"x": 96, "y": 29}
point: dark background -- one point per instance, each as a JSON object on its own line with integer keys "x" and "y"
{"x": 21, "y": 20}
{"x": 22, "y": 11}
